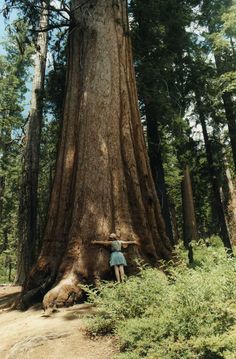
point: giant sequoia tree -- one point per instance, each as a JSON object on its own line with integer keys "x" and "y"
{"x": 103, "y": 181}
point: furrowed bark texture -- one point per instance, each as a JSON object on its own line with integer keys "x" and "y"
{"x": 27, "y": 246}
{"x": 103, "y": 182}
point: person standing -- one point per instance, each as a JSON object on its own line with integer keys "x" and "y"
{"x": 117, "y": 258}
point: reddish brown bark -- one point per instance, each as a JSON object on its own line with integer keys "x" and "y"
{"x": 103, "y": 180}
{"x": 190, "y": 226}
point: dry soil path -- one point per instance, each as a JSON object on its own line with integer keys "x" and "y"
{"x": 32, "y": 335}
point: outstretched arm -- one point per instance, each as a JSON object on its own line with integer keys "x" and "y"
{"x": 105, "y": 243}
{"x": 130, "y": 242}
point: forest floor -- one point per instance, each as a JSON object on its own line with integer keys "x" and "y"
{"x": 33, "y": 335}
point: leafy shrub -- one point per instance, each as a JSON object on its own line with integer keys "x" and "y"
{"x": 188, "y": 314}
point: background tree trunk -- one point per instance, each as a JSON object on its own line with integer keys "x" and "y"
{"x": 231, "y": 204}
{"x": 174, "y": 223}
{"x": 156, "y": 163}
{"x": 103, "y": 181}
{"x": 214, "y": 179}
{"x": 230, "y": 116}
{"x": 190, "y": 226}
{"x": 229, "y": 107}
{"x": 2, "y": 188}
{"x": 27, "y": 244}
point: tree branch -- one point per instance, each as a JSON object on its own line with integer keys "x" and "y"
{"x": 51, "y": 27}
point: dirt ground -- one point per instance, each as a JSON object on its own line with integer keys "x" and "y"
{"x": 32, "y": 335}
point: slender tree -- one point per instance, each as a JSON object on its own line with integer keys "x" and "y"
{"x": 222, "y": 47}
{"x": 231, "y": 203}
{"x": 13, "y": 77}
{"x": 190, "y": 226}
{"x": 156, "y": 163}
{"x": 27, "y": 247}
{"x": 213, "y": 176}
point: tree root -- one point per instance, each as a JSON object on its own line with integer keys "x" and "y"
{"x": 66, "y": 293}
{"x": 33, "y": 295}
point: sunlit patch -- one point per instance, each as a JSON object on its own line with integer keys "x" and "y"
{"x": 103, "y": 226}
{"x": 85, "y": 97}
{"x": 104, "y": 149}
{"x": 69, "y": 158}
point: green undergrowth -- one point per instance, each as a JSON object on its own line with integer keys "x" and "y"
{"x": 7, "y": 267}
{"x": 189, "y": 313}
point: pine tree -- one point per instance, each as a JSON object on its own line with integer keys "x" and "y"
{"x": 13, "y": 76}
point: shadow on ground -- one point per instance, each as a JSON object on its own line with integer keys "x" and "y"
{"x": 9, "y": 296}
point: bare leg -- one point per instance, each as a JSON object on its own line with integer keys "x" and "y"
{"x": 122, "y": 273}
{"x": 117, "y": 273}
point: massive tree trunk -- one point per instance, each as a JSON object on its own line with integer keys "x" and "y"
{"x": 27, "y": 245}
{"x": 103, "y": 181}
